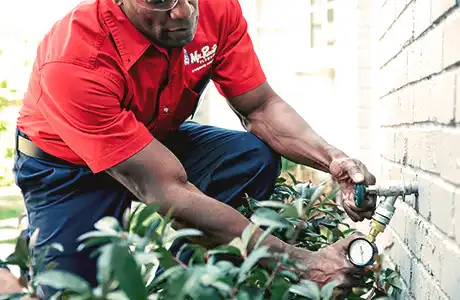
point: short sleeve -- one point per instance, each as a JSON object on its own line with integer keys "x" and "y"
{"x": 236, "y": 69}
{"x": 83, "y": 107}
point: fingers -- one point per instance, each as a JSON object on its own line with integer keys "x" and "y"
{"x": 343, "y": 245}
{"x": 350, "y": 171}
{"x": 348, "y": 281}
{"x": 369, "y": 179}
{"x": 370, "y": 203}
{"x": 353, "y": 215}
{"x": 358, "y": 214}
{"x": 355, "y": 170}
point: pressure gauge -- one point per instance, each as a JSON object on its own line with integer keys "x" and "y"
{"x": 361, "y": 252}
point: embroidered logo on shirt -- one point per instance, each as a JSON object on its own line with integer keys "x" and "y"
{"x": 186, "y": 58}
{"x": 203, "y": 57}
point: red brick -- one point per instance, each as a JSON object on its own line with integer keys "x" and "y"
{"x": 451, "y": 41}
{"x": 440, "y": 7}
{"x": 422, "y": 16}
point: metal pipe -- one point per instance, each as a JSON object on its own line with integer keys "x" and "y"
{"x": 393, "y": 188}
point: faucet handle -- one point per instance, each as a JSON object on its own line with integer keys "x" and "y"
{"x": 360, "y": 193}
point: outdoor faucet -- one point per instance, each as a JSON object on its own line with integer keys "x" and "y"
{"x": 391, "y": 190}
{"x": 362, "y": 251}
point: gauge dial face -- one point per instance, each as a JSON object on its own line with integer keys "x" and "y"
{"x": 361, "y": 252}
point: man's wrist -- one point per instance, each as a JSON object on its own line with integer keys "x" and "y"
{"x": 333, "y": 154}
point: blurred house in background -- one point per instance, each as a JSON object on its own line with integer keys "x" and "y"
{"x": 317, "y": 56}
{"x": 379, "y": 79}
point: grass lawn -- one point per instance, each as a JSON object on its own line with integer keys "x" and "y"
{"x": 10, "y": 241}
{"x": 11, "y": 206}
{"x": 8, "y": 212}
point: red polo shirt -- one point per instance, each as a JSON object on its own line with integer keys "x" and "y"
{"x": 100, "y": 91}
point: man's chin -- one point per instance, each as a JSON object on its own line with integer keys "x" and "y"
{"x": 176, "y": 39}
{"x": 175, "y": 43}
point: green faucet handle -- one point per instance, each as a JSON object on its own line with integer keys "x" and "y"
{"x": 360, "y": 194}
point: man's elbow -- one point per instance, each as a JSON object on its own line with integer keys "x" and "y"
{"x": 147, "y": 184}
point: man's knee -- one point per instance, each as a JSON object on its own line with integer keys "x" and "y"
{"x": 265, "y": 157}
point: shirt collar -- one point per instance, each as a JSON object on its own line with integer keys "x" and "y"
{"x": 130, "y": 42}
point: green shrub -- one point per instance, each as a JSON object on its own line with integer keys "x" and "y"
{"x": 129, "y": 253}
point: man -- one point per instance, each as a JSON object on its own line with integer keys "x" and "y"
{"x": 103, "y": 124}
{"x": 8, "y": 283}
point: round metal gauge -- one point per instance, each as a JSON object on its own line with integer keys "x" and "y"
{"x": 361, "y": 252}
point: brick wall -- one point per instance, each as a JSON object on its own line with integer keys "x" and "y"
{"x": 419, "y": 105}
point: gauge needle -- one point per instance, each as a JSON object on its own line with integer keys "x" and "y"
{"x": 362, "y": 252}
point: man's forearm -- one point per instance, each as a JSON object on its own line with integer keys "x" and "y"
{"x": 8, "y": 283}
{"x": 218, "y": 221}
{"x": 279, "y": 125}
{"x": 154, "y": 174}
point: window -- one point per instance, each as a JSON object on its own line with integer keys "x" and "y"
{"x": 315, "y": 30}
{"x": 322, "y": 23}
{"x": 330, "y": 15}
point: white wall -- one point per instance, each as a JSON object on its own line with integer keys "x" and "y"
{"x": 280, "y": 32}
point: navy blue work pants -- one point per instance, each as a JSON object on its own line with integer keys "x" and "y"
{"x": 65, "y": 200}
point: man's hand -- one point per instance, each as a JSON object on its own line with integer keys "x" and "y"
{"x": 347, "y": 172}
{"x": 331, "y": 264}
{"x": 272, "y": 119}
{"x": 8, "y": 283}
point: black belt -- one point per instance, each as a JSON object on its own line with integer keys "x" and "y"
{"x": 28, "y": 148}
